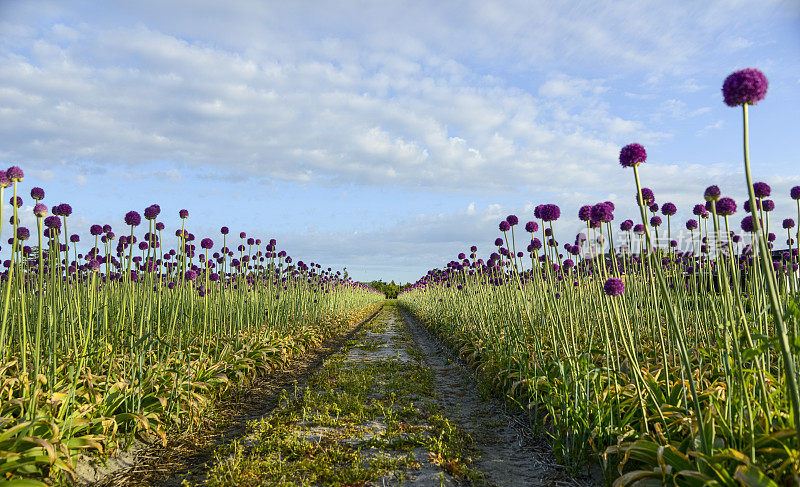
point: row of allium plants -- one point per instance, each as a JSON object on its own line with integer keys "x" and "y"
{"x": 131, "y": 338}
{"x": 662, "y": 364}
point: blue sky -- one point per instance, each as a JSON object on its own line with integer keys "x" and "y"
{"x": 387, "y": 136}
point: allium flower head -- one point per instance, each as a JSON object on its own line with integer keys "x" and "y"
{"x": 64, "y": 209}
{"x": 159, "y": 226}
{"x": 614, "y": 287}
{"x": 184, "y": 214}
{"x": 224, "y": 230}
{"x": 601, "y": 212}
{"x": 133, "y": 219}
{"x": 106, "y": 228}
{"x": 206, "y": 243}
{"x": 669, "y": 209}
{"x": 585, "y": 213}
{"x": 23, "y": 233}
{"x": 626, "y": 225}
{"x": 40, "y": 210}
{"x": 712, "y": 193}
{"x": 512, "y": 220}
{"x": 93, "y": 265}
{"x": 653, "y": 208}
{"x": 747, "y": 85}
{"x": 96, "y": 230}
{"x": 795, "y": 193}
{"x": 529, "y": 227}
{"x": 747, "y": 224}
{"x": 37, "y": 193}
{"x": 647, "y": 196}
{"x": 15, "y": 174}
{"x": 638, "y": 229}
{"x": 74, "y": 238}
{"x": 611, "y": 205}
{"x": 761, "y": 190}
{"x": 691, "y": 224}
{"x": 498, "y": 242}
{"x": 788, "y": 223}
{"x": 52, "y": 222}
{"x": 550, "y": 212}
{"x": 18, "y": 202}
{"x": 726, "y": 206}
{"x": 655, "y": 221}
{"x": 632, "y": 155}
{"x": 4, "y": 181}
{"x": 699, "y": 210}
{"x": 768, "y": 205}
{"x": 152, "y": 211}
{"x": 242, "y": 235}
{"x": 504, "y": 226}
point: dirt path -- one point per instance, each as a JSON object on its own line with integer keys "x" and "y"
{"x": 390, "y": 408}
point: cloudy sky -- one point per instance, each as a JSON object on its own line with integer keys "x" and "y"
{"x": 387, "y": 136}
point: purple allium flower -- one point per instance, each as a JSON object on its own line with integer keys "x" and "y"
{"x": 747, "y": 85}
{"x": 537, "y": 212}
{"x": 726, "y": 206}
{"x": 712, "y": 193}
{"x": 614, "y": 287}
{"x": 106, "y": 228}
{"x": 655, "y": 221}
{"x": 737, "y": 238}
{"x": 673, "y": 243}
{"x": 224, "y": 230}
{"x": 242, "y": 235}
{"x": 699, "y": 210}
{"x": 512, "y": 220}
{"x": 795, "y": 193}
{"x": 585, "y": 213}
{"x": 74, "y": 238}
{"x": 548, "y": 232}
{"x": 152, "y": 211}
{"x": 768, "y": 205}
{"x": 473, "y": 249}
{"x": 15, "y": 174}
{"x": 19, "y": 202}
{"x": 638, "y": 229}
{"x": 4, "y": 181}
{"x": 96, "y": 230}
{"x": 747, "y": 224}
{"x": 498, "y": 242}
{"x": 133, "y": 219}
{"x": 550, "y": 212}
{"x": 601, "y": 212}
{"x": 669, "y": 209}
{"x": 40, "y": 210}
{"x": 64, "y": 209}
{"x": 504, "y": 226}
{"x": 23, "y": 234}
{"x": 653, "y": 208}
{"x": 691, "y": 224}
{"x": 143, "y": 245}
{"x": 626, "y": 225}
{"x": 761, "y": 190}
{"x": 632, "y": 155}
{"x": 183, "y": 214}
{"x": 647, "y": 196}
{"x": 159, "y": 226}
{"x": 52, "y": 222}
{"x": 206, "y": 243}
{"x": 530, "y": 227}
{"x": 191, "y": 275}
{"x": 611, "y": 205}
{"x": 93, "y": 265}
{"x": 37, "y": 194}
{"x": 788, "y": 223}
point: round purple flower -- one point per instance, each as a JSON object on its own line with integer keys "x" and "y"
{"x": 550, "y": 212}
{"x": 152, "y": 211}
{"x": 614, "y": 287}
{"x": 795, "y": 193}
{"x": 632, "y": 155}
{"x": 585, "y": 213}
{"x": 647, "y": 196}
{"x": 143, "y": 245}
{"x": 183, "y": 214}
{"x": 133, "y": 219}
{"x": 726, "y": 206}
{"x": 638, "y": 229}
{"x": 536, "y": 243}
{"x": 626, "y": 225}
{"x": 4, "y": 181}
{"x": 655, "y": 221}
{"x": 712, "y": 193}
{"x": 23, "y": 233}
{"x": 747, "y": 85}
{"x": 601, "y": 212}
{"x": 96, "y": 230}
{"x": 512, "y": 220}
{"x": 611, "y": 205}
{"x": 74, "y": 238}
{"x": 52, "y": 222}
{"x": 64, "y": 209}
{"x": 669, "y": 209}
{"x": 747, "y": 224}
{"x": 537, "y": 212}
{"x": 699, "y": 210}
{"x": 768, "y": 205}
{"x": 37, "y": 194}
{"x": 530, "y": 227}
{"x": 505, "y": 226}
{"x": 788, "y": 223}
{"x": 159, "y": 226}
{"x": 206, "y": 243}
{"x": 498, "y": 242}
{"x": 691, "y": 224}
{"x": 242, "y": 235}
{"x": 18, "y": 202}
{"x": 93, "y": 265}
{"x": 191, "y": 275}
{"x": 761, "y": 190}
{"x": 653, "y": 208}
{"x": 40, "y": 210}
{"x": 15, "y": 174}
{"x": 106, "y": 228}
{"x": 771, "y": 237}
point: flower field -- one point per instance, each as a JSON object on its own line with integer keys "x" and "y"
{"x": 663, "y": 365}
{"x": 132, "y": 339}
